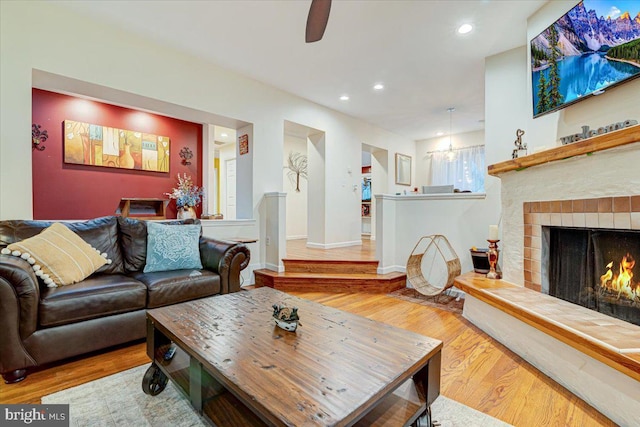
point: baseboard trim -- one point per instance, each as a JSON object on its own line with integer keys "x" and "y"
{"x": 392, "y": 269}
{"x": 333, "y": 245}
{"x": 273, "y": 267}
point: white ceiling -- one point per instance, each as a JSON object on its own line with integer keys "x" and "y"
{"x": 410, "y": 46}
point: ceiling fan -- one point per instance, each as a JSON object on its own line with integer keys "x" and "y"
{"x": 317, "y": 20}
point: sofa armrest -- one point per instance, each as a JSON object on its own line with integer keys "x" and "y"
{"x": 227, "y": 259}
{"x": 19, "y": 298}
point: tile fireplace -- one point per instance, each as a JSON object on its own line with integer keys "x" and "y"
{"x": 619, "y": 213}
{"x": 592, "y": 184}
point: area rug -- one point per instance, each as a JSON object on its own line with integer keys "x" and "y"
{"x": 444, "y": 302}
{"x": 118, "y": 400}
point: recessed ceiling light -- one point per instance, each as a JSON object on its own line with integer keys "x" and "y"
{"x": 465, "y": 28}
{"x": 439, "y": 133}
{"x": 224, "y": 135}
{"x": 378, "y": 86}
{"x": 344, "y": 98}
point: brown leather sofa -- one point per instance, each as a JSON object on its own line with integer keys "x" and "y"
{"x": 42, "y": 325}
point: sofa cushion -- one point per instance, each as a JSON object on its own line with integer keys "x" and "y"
{"x": 100, "y": 233}
{"x": 58, "y": 255}
{"x": 98, "y": 296}
{"x": 170, "y": 287}
{"x": 171, "y": 247}
{"x": 133, "y": 238}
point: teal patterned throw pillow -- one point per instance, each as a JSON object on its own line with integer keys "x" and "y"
{"x": 172, "y": 247}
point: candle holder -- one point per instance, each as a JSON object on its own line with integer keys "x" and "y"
{"x": 493, "y": 260}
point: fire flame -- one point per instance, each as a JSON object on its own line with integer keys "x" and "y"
{"x": 621, "y": 283}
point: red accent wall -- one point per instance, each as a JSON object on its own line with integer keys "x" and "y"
{"x": 69, "y": 191}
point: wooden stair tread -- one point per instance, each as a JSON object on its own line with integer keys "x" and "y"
{"x": 332, "y": 282}
{"x": 345, "y": 276}
{"x": 607, "y": 339}
{"x": 331, "y": 261}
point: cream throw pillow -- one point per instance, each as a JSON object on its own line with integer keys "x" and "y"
{"x": 58, "y": 255}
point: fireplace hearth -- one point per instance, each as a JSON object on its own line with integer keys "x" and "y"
{"x": 594, "y": 268}
{"x": 589, "y": 184}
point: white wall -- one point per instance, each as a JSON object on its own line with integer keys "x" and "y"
{"x": 296, "y": 201}
{"x": 225, "y": 153}
{"x": 32, "y": 36}
{"x": 273, "y": 230}
{"x": 380, "y": 183}
{"x": 403, "y": 220}
{"x": 463, "y": 219}
{"x": 244, "y": 174}
{"x": 441, "y": 143}
{"x": 208, "y": 169}
{"x": 316, "y": 212}
{"x": 223, "y": 229}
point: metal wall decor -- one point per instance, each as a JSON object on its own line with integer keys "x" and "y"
{"x": 297, "y": 165}
{"x": 38, "y": 137}
{"x": 186, "y": 155}
{"x": 589, "y": 133}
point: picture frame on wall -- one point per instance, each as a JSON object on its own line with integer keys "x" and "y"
{"x": 96, "y": 145}
{"x": 403, "y": 169}
{"x": 243, "y": 142}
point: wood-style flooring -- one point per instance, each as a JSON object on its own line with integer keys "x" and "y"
{"x": 297, "y": 249}
{"x": 476, "y": 370}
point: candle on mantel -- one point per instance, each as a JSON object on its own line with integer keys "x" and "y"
{"x": 493, "y": 232}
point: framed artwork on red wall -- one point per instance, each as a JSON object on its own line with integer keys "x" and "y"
{"x": 95, "y": 145}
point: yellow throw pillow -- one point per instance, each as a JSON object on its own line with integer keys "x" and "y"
{"x": 59, "y": 256}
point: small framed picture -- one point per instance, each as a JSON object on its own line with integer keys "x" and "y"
{"x": 403, "y": 169}
{"x": 243, "y": 144}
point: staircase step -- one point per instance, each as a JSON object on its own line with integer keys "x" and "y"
{"x": 330, "y": 266}
{"x": 331, "y": 282}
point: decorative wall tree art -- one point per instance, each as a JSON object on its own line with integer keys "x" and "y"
{"x": 297, "y": 165}
{"x": 95, "y": 145}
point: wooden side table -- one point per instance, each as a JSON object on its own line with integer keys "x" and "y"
{"x": 141, "y": 208}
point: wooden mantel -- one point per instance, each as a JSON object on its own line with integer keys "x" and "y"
{"x": 597, "y": 143}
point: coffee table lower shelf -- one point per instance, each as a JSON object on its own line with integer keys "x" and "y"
{"x": 222, "y": 408}
{"x": 399, "y": 408}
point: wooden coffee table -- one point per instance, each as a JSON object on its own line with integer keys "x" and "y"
{"x": 338, "y": 369}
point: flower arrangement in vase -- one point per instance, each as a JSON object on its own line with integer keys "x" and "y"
{"x": 187, "y": 196}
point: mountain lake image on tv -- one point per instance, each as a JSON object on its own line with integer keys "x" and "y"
{"x": 592, "y": 47}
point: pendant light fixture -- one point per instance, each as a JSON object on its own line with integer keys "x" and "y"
{"x": 451, "y": 155}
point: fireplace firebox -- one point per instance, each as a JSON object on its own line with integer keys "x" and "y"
{"x": 594, "y": 268}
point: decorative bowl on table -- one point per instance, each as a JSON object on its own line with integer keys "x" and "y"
{"x": 286, "y": 317}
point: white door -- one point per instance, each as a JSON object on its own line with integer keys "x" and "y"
{"x": 230, "y": 189}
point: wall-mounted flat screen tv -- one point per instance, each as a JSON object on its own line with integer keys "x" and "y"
{"x": 594, "y": 46}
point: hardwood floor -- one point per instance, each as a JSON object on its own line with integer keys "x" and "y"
{"x": 476, "y": 370}
{"x": 297, "y": 249}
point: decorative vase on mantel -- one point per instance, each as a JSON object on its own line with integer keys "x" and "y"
{"x": 187, "y": 212}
